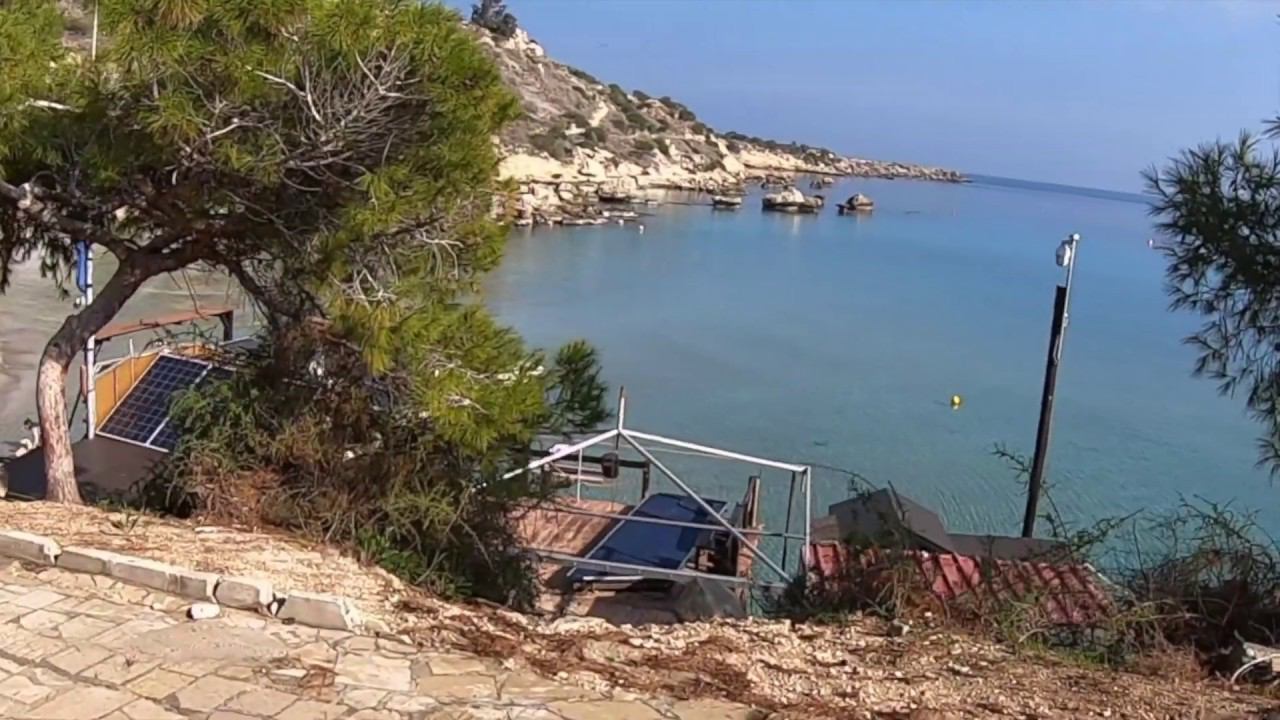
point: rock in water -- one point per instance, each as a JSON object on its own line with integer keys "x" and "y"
{"x": 790, "y": 200}
{"x": 857, "y": 203}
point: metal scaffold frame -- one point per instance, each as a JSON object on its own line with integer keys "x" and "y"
{"x": 634, "y": 438}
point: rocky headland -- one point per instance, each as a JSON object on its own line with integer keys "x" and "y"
{"x": 584, "y": 147}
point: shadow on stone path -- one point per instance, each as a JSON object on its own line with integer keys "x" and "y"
{"x": 85, "y": 647}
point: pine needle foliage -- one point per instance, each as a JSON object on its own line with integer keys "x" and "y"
{"x": 1218, "y": 208}
{"x": 404, "y": 465}
{"x": 335, "y": 158}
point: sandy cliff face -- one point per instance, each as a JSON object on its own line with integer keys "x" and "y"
{"x": 582, "y": 140}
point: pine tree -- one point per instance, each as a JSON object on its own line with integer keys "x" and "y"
{"x": 492, "y": 15}
{"x": 1218, "y": 206}
{"x": 335, "y": 158}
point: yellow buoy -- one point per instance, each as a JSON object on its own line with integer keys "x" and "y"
{"x": 956, "y": 402}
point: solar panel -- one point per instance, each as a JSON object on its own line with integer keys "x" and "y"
{"x": 216, "y": 374}
{"x": 666, "y": 547}
{"x": 146, "y": 408}
{"x": 167, "y": 437}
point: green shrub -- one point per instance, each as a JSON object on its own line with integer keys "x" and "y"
{"x": 583, "y": 75}
{"x": 492, "y": 15}
{"x": 643, "y": 146}
{"x": 573, "y": 117}
{"x": 551, "y": 142}
{"x": 681, "y": 111}
{"x": 638, "y": 121}
{"x": 362, "y": 463}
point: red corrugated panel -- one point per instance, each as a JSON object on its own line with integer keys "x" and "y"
{"x": 1067, "y": 594}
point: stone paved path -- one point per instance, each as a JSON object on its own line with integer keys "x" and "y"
{"x": 84, "y": 647}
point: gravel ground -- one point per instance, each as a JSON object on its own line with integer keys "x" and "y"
{"x": 857, "y": 670}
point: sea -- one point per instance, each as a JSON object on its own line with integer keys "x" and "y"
{"x": 839, "y": 341}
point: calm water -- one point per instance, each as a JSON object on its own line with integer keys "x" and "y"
{"x": 840, "y": 340}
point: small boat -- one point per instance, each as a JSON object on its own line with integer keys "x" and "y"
{"x": 726, "y": 202}
{"x": 614, "y": 196}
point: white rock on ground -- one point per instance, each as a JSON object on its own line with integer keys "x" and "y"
{"x": 203, "y": 611}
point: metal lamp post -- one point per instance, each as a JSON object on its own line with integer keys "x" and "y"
{"x": 1061, "y": 317}
{"x": 84, "y": 281}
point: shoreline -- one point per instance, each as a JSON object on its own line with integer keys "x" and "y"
{"x": 581, "y": 142}
{"x": 596, "y": 187}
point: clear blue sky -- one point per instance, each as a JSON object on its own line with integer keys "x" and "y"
{"x": 1087, "y": 92}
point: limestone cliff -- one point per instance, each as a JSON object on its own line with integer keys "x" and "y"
{"x": 581, "y": 140}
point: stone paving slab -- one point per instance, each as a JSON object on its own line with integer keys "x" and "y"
{"x": 77, "y": 647}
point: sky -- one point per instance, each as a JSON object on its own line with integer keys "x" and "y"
{"x": 1082, "y": 92}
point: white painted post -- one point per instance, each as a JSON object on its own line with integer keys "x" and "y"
{"x": 90, "y": 391}
{"x": 808, "y": 518}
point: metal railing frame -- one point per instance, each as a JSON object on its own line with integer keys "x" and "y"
{"x": 634, "y": 438}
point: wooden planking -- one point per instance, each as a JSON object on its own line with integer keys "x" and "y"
{"x": 546, "y": 528}
{"x": 159, "y": 321}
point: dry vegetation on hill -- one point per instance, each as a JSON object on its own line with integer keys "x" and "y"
{"x": 578, "y": 129}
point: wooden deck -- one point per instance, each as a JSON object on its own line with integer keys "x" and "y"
{"x": 545, "y": 528}
{"x": 104, "y": 467}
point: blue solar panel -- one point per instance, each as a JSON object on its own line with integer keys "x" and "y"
{"x": 658, "y": 546}
{"x": 146, "y": 407}
{"x": 167, "y": 438}
{"x": 216, "y": 374}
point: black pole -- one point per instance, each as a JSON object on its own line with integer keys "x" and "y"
{"x": 1035, "y": 482}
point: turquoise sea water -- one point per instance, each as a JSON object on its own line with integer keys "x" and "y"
{"x": 839, "y": 340}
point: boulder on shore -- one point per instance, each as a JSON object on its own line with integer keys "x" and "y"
{"x": 617, "y": 190}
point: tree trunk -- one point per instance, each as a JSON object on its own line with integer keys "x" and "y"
{"x": 51, "y": 380}
{"x": 51, "y": 405}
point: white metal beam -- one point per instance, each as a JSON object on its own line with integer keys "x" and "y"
{"x": 562, "y": 453}
{"x": 727, "y": 454}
